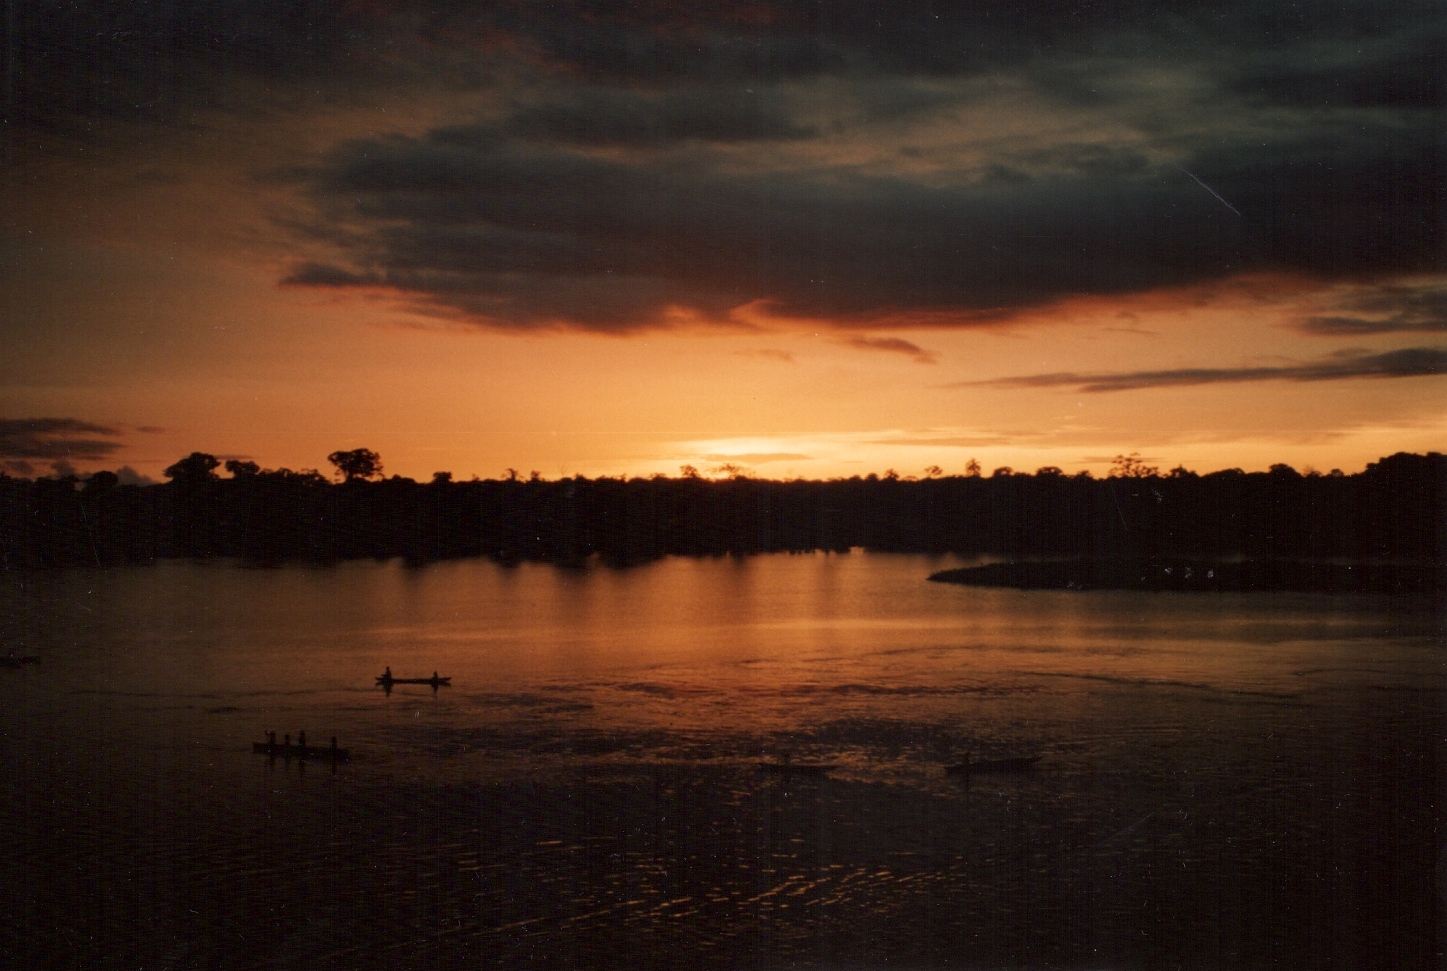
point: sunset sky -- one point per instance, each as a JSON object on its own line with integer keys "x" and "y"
{"x": 809, "y": 239}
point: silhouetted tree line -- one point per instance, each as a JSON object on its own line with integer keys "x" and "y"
{"x": 1394, "y": 509}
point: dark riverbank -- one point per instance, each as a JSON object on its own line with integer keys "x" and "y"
{"x": 1392, "y": 511}
{"x": 1259, "y": 576}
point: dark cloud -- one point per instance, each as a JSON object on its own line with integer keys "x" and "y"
{"x": 659, "y": 44}
{"x": 163, "y": 61}
{"x": 892, "y": 345}
{"x": 653, "y": 120}
{"x": 326, "y": 275}
{"x": 622, "y": 173}
{"x": 1382, "y": 311}
{"x": 55, "y": 439}
{"x": 469, "y": 222}
{"x": 170, "y": 62}
{"x": 1409, "y": 362}
{"x": 1337, "y": 205}
{"x": 1399, "y": 70}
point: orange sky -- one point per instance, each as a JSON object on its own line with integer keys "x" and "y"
{"x": 500, "y": 246}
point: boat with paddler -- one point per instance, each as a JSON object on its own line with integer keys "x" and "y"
{"x": 286, "y": 749}
{"x": 386, "y": 680}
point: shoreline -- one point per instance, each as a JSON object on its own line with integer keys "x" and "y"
{"x": 1204, "y": 576}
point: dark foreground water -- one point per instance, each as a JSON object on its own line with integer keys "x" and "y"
{"x": 1227, "y": 781}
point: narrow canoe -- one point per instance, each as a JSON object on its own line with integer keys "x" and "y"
{"x": 298, "y": 752}
{"x": 432, "y": 681}
{"x": 969, "y": 767}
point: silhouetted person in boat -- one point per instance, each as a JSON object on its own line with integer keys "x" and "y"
{"x": 301, "y": 741}
{"x": 387, "y": 674}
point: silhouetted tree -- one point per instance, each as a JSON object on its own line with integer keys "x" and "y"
{"x": 358, "y": 463}
{"x": 102, "y": 481}
{"x": 1132, "y": 466}
{"x": 241, "y": 469}
{"x": 196, "y": 467}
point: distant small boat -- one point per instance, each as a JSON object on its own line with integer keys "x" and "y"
{"x": 11, "y": 661}
{"x": 969, "y": 766}
{"x": 435, "y": 681}
{"x": 797, "y": 768}
{"x": 299, "y": 750}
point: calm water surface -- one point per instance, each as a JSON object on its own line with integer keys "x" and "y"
{"x": 1226, "y": 781}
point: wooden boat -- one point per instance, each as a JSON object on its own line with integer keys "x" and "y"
{"x": 299, "y": 750}
{"x": 435, "y": 681}
{"x": 797, "y": 768}
{"x": 969, "y": 766}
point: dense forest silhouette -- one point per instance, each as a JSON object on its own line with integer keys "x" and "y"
{"x": 1390, "y": 514}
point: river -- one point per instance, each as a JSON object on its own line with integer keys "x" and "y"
{"x": 1229, "y": 780}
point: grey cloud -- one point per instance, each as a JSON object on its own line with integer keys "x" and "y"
{"x": 55, "y": 439}
{"x": 892, "y": 345}
{"x": 1083, "y": 159}
{"x": 1384, "y": 310}
{"x": 1357, "y": 326}
{"x": 1409, "y": 362}
{"x": 605, "y": 117}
